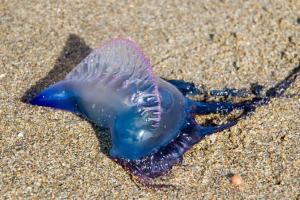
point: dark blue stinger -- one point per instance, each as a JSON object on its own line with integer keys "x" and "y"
{"x": 59, "y": 96}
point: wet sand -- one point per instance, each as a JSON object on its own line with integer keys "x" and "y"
{"x": 47, "y": 153}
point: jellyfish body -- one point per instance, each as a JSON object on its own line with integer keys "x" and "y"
{"x": 151, "y": 121}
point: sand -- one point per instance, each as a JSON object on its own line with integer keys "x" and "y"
{"x": 216, "y": 44}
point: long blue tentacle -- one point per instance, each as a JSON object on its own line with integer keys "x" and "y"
{"x": 204, "y": 108}
{"x": 188, "y": 88}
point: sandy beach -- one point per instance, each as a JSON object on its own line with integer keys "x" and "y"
{"x": 52, "y": 154}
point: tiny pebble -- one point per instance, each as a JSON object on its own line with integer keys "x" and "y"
{"x": 236, "y": 180}
{"x": 20, "y": 134}
{"x": 2, "y": 76}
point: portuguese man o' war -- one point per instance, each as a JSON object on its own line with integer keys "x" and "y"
{"x": 151, "y": 120}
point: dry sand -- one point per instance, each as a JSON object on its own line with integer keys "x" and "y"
{"x": 47, "y": 153}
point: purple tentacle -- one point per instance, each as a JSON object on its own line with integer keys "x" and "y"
{"x": 160, "y": 162}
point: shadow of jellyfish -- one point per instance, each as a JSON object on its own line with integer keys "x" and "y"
{"x": 73, "y": 52}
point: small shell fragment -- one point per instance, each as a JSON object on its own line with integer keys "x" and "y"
{"x": 236, "y": 180}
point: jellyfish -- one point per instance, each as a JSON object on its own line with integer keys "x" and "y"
{"x": 151, "y": 120}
